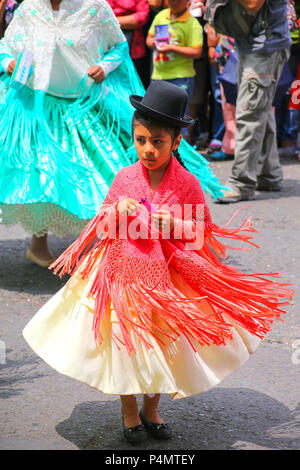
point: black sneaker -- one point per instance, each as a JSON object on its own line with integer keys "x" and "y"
{"x": 156, "y": 430}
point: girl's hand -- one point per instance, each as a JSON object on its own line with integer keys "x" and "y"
{"x": 127, "y": 206}
{"x": 97, "y": 73}
{"x": 11, "y": 67}
{"x": 163, "y": 221}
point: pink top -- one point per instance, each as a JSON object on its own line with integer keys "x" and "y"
{"x": 140, "y": 9}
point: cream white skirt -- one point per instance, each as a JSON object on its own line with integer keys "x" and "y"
{"x": 61, "y": 334}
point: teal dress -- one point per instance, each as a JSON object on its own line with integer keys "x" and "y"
{"x": 59, "y": 152}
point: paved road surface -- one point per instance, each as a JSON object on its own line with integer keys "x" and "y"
{"x": 257, "y": 407}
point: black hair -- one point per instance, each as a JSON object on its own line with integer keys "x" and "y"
{"x": 146, "y": 120}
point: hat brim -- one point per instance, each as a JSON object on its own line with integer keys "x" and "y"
{"x": 186, "y": 121}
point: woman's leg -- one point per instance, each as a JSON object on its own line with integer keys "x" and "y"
{"x": 39, "y": 247}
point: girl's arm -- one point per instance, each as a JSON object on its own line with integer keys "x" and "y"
{"x": 127, "y": 206}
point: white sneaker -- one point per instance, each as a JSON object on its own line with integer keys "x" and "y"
{"x": 233, "y": 196}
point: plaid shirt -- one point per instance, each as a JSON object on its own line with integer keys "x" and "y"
{"x": 140, "y": 9}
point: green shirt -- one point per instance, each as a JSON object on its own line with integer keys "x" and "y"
{"x": 184, "y": 31}
{"x": 295, "y": 36}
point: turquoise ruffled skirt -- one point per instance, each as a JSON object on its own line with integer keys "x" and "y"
{"x": 56, "y": 167}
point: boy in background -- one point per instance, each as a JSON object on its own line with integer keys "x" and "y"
{"x": 173, "y": 58}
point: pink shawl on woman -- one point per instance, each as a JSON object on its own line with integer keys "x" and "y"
{"x": 134, "y": 274}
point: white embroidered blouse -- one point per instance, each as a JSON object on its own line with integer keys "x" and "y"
{"x": 64, "y": 43}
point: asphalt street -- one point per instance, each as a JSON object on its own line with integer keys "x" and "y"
{"x": 257, "y": 407}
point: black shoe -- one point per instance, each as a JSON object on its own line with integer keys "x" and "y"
{"x": 156, "y": 430}
{"x": 134, "y": 434}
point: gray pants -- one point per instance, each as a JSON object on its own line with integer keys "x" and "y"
{"x": 256, "y": 157}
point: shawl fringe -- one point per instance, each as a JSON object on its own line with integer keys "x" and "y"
{"x": 249, "y": 300}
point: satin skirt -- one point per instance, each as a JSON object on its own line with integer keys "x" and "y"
{"x": 61, "y": 334}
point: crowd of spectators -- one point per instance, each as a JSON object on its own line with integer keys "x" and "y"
{"x": 193, "y": 56}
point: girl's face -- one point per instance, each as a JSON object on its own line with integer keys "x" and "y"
{"x": 154, "y": 145}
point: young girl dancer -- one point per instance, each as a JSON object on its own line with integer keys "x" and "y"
{"x": 150, "y": 308}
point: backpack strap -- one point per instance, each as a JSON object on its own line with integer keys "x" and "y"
{"x": 265, "y": 20}
{"x": 235, "y": 5}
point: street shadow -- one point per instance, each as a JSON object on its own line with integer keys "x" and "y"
{"x": 289, "y": 160}
{"x": 20, "y": 275}
{"x": 284, "y": 160}
{"x": 220, "y": 419}
{"x": 290, "y": 188}
{"x": 16, "y": 372}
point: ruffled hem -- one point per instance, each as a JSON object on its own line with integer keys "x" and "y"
{"x": 41, "y": 218}
{"x": 49, "y": 156}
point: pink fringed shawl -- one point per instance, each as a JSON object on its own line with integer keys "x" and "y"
{"x": 134, "y": 274}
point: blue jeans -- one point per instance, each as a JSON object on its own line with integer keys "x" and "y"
{"x": 188, "y": 85}
{"x": 218, "y": 126}
{"x": 287, "y": 120}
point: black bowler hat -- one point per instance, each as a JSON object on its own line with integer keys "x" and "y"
{"x": 164, "y": 101}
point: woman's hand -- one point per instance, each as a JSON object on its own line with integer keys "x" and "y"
{"x": 11, "y": 67}
{"x": 127, "y": 206}
{"x": 163, "y": 221}
{"x": 211, "y": 56}
{"x": 97, "y": 73}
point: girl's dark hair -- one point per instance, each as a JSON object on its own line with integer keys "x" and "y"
{"x": 138, "y": 116}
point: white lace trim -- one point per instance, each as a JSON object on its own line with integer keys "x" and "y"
{"x": 40, "y": 218}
